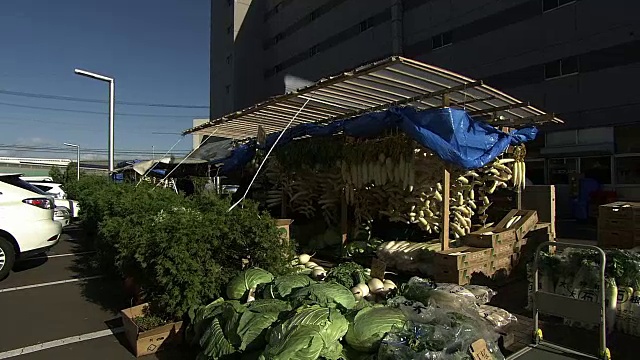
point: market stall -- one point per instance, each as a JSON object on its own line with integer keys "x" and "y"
{"x": 400, "y": 140}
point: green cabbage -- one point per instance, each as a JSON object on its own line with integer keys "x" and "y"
{"x": 312, "y": 332}
{"x": 370, "y": 325}
{"x": 240, "y": 285}
{"x": 282, "y": 286}
{"x": 324, "y": 294}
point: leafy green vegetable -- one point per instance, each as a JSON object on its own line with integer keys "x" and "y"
{"x": 201, "y": 317}
{"x": 370, "y": 325}
{"x": 214, "y": 343}
{"x": 313, "y": 331}
{"x": 324, "y": 294}
{"x": 348, "y": 274}
{"x": 255, "y": 321}
{"x": 240, "y": 285}
{"x": 284, "y": 285}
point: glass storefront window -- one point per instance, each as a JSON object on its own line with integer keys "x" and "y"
{"x": 626, "y": 139}
{"x": 560, "y": 170}
{"x": 597, "y": 168}
{"x": 628, "y": 170}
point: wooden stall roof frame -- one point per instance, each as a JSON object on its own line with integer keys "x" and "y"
{"x": 395, "y": 81}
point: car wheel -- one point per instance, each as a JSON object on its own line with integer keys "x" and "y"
{"x": 7, "y": 257}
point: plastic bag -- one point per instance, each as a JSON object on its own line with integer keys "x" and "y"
{"x": 483, "y": 294}
{"x": 456, "y": 289}
{"x": 496, "y": 316}
{"x": 434, "y": 341}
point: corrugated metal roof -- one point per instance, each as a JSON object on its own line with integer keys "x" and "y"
{"x": 395, "y": 81}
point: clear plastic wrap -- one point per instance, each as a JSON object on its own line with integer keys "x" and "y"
{"x": 448, "y": 297}
{"x": 483, "y": 294}
{"x": 496, "y": 316}
{"x": 434, "y": 341}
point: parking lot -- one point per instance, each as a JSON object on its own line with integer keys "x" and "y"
{"x": 58, "y": 306}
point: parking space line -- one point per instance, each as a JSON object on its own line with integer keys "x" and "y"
{"x": 50, "y": 284}
{"x": 61, "y": 255}
{"x": 60, "y": 342}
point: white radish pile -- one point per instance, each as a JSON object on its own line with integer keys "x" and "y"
{"x": 393, "y": 178}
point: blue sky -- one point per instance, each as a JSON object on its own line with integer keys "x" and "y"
{"x": 157, "y": 50}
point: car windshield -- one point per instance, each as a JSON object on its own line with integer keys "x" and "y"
{"x": 16, "y": 181}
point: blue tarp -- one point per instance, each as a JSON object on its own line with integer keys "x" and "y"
{"x": 451, "y": 133}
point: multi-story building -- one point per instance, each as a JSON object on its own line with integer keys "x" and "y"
{"x": 578, "y": 59}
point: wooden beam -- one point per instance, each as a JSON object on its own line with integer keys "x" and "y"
{"x": 498, "y": 108}
{"x": 536, "y": 119}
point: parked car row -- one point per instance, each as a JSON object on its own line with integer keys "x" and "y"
{"x": 30, "y": 222}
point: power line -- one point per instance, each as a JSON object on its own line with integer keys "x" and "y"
{"x": 98, "y": 112}
{"x": 78, "y": 99}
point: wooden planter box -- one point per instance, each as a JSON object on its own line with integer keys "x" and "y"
{"x": 150, "y": 341}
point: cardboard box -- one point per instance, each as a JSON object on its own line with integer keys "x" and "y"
{"x": 150, "y": 341}
{"x": 463, "y": 276}
{"x": 284, "y": 224}
{"x": 461, "y": 258}
{"x": 621, "y": 210}
{"x": 499, "y": 263}
{"x": 528, "y": 220}
{"x": 505, "y": 249}
{"x": 542, "y": 199}
{"x": 617, "y": 239}
{"x": 489, "y": 237}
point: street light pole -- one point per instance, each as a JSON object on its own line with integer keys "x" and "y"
{"x": 111, "y": 82}
{"x": 77, "y": 159}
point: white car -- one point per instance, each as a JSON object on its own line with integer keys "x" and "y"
{"x": 27, "y": 226}
{"x": 59, "y": 195}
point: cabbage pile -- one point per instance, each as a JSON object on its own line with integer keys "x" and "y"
{"x": 296, "y": 317}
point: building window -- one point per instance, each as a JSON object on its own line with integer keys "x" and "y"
{"x": 227, "y": 89}
{"x": 365, "y": 25}
{"x": 313, "y": 50}
{"x": 626, "y": 139}
{"x": 548, "y": 5}
{"x": 628, "y": 170}
{"x": 597, "y": 168}
{"x": 441, "y": 40}
{"x": 535, "y": 171}
{"x": 562, "y": 67}
{"x": 561, "y": 170}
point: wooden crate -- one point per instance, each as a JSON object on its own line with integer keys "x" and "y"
{"x": 463, "y": 276}
{"x": 528, "y": 220}
{"x": 501, "y": 263}
{"x": 489, "y": 237}
{"x": 461, "y": 258}
{"x": 542, "y": 199}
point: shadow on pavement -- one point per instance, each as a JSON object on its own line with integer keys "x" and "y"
{"x": 29, "y": 263}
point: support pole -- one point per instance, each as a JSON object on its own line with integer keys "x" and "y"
{"x": 446, "y": 190}
{"x": 344, "y": 218}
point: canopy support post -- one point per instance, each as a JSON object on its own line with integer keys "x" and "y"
{"x": 344, "y": 218}
{"x": 446, "y": 190}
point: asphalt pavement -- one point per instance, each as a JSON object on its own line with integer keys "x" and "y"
{"x": 58, "y": 306}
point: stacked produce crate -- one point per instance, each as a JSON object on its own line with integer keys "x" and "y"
{"x": 487, "y": 251}
{"x": 619, "y": 225}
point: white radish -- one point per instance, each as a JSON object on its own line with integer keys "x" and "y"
{"x": 304, "y": 258}
{"x": 319, "y": 273}
{"x": 357, "y": 292}
{"x": 364, "y": 289}
{"x": 375, "y": 285}
{"x": 310, "y": 265}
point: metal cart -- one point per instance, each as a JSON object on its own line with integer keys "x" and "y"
{"x": 566, "y": 307}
